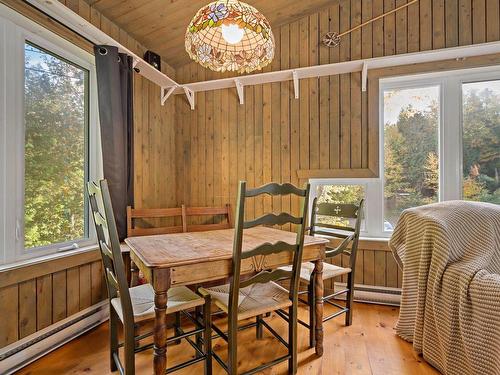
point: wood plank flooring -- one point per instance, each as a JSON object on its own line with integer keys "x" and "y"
{"x": 369, "y": 346}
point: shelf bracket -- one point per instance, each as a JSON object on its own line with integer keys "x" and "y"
{"x": 295, "y": 77}
{"x": 190, "y": 96}
{"x": 239, "y": 90}
{"x": 364, "y": 76}
{"x": 165, "y": 93}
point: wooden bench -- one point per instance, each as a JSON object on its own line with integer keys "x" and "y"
{"x": 179, "y": 217}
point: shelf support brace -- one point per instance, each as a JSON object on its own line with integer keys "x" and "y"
{"x": 295, "y": 77}
{"x": 239, "y": 89}
{"x": 364, "y": 76}
{"x": 190, "y": 96}
{"x": 165, "y": 93}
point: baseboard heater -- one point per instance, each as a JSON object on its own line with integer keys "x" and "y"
{"x": 21, "y": 353}
{"x": 380, "y": 295}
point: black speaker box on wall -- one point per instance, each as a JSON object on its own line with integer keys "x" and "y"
{"x": 153, "y": 59}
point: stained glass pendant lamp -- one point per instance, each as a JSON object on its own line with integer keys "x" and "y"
{"x": 230, "y": 35}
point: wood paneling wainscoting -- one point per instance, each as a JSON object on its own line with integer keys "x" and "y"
{"x": 375, "y": 265}
{"x": 36, "y": 296}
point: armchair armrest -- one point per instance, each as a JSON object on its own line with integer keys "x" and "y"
{"x": 331, "y": 252}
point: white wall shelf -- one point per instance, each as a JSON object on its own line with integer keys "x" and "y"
{"x": 72, "y": 20}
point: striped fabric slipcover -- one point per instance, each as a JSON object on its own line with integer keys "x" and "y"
{"x": 450, "y": 307}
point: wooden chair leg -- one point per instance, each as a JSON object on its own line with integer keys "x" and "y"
{"x": 259, "y": 327}
{"x": 113, "y": 338}
{"x": 349, "y": 299}
{"x": 197, "y": 315}
{"x": 232, "y": 336}
{"x": 311, "y": 300}
{"x": 207, "y": 335}
{"x": 292, "y": 339}
{"x": 177, "y": 326}
{"x": 129, "y": 348}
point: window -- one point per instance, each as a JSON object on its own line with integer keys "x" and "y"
{"x": 481, "y": 141}
{"x": 48, "y": 141}
{"x": 55, "y": 154}
{"x": 440, "y": 138}
{"x": 411, "y": 151}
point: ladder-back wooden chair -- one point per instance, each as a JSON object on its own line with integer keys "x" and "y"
{"x": 259, "y": 294}
{"x": 349, "y": 235}
{"x": 134, "y": 307}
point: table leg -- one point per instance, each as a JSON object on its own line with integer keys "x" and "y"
{"x": 160, "y": 333}
{"x": 128, "y": 269}
{"x": 134, "y": 274}
{"x": 318, "y": 285}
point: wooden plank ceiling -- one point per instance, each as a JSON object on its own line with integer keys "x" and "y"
{"x": 161, "y": 24}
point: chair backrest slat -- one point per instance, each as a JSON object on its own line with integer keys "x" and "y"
{"x": 337, "y": 209}
{"x": 226, "y": 222}
{"x": 266, "y": 276}
{"x": 267, "y": 248}
{"x": 329, "y": 234}
{"x": 153, "y": 213}
{"x": 112, "y": 278}
{"x": 106, "y": 250}
{"x": 109, "y": 245}
{"x": 333, "y": 226}
{"x": 275, "y": 189}
{"x": 273, "y": 219}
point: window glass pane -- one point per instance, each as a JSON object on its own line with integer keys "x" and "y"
{"x": 411, "y": 153}
{"x": 56, "y": 106}
{"x": 481, "y": 141}
{"x": 341, "y": 194}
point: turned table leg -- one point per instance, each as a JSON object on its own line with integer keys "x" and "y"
{"x": 318, "y": 285}
{"x": 161, "y": 286}
{"x": 134, "y": 274}
{"x": 128, "y": 269}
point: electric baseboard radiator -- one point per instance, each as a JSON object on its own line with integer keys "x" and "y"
{"x": 21, "y": 353}
{"x": 380, "y": 295}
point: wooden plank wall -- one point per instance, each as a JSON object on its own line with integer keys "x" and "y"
{"x": 272, "y": 135}
{"x": 154, "y": 141}
{"x": 374, "y": 266}
{"x": 34, "y": 304}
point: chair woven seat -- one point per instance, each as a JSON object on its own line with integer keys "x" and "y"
{"x": 253, "y": 300}
{"x": 329, "y": 271}
{"x": 142, "y": 296}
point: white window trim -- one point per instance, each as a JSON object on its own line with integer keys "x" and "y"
{"x": 373, "y": 205}
{"x": 450, "y": 141}
{"x": 15, "y": 29}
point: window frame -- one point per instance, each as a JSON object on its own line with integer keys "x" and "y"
{"x": 21, "y": 30}
{"x": 450, "y": 144}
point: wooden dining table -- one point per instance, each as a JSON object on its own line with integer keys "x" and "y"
{"x": 196, "y": 257}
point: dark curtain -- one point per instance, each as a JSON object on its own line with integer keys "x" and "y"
{"x": 115, "y": 94}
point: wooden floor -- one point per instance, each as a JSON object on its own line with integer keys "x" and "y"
{"x": 369, "y": 346}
